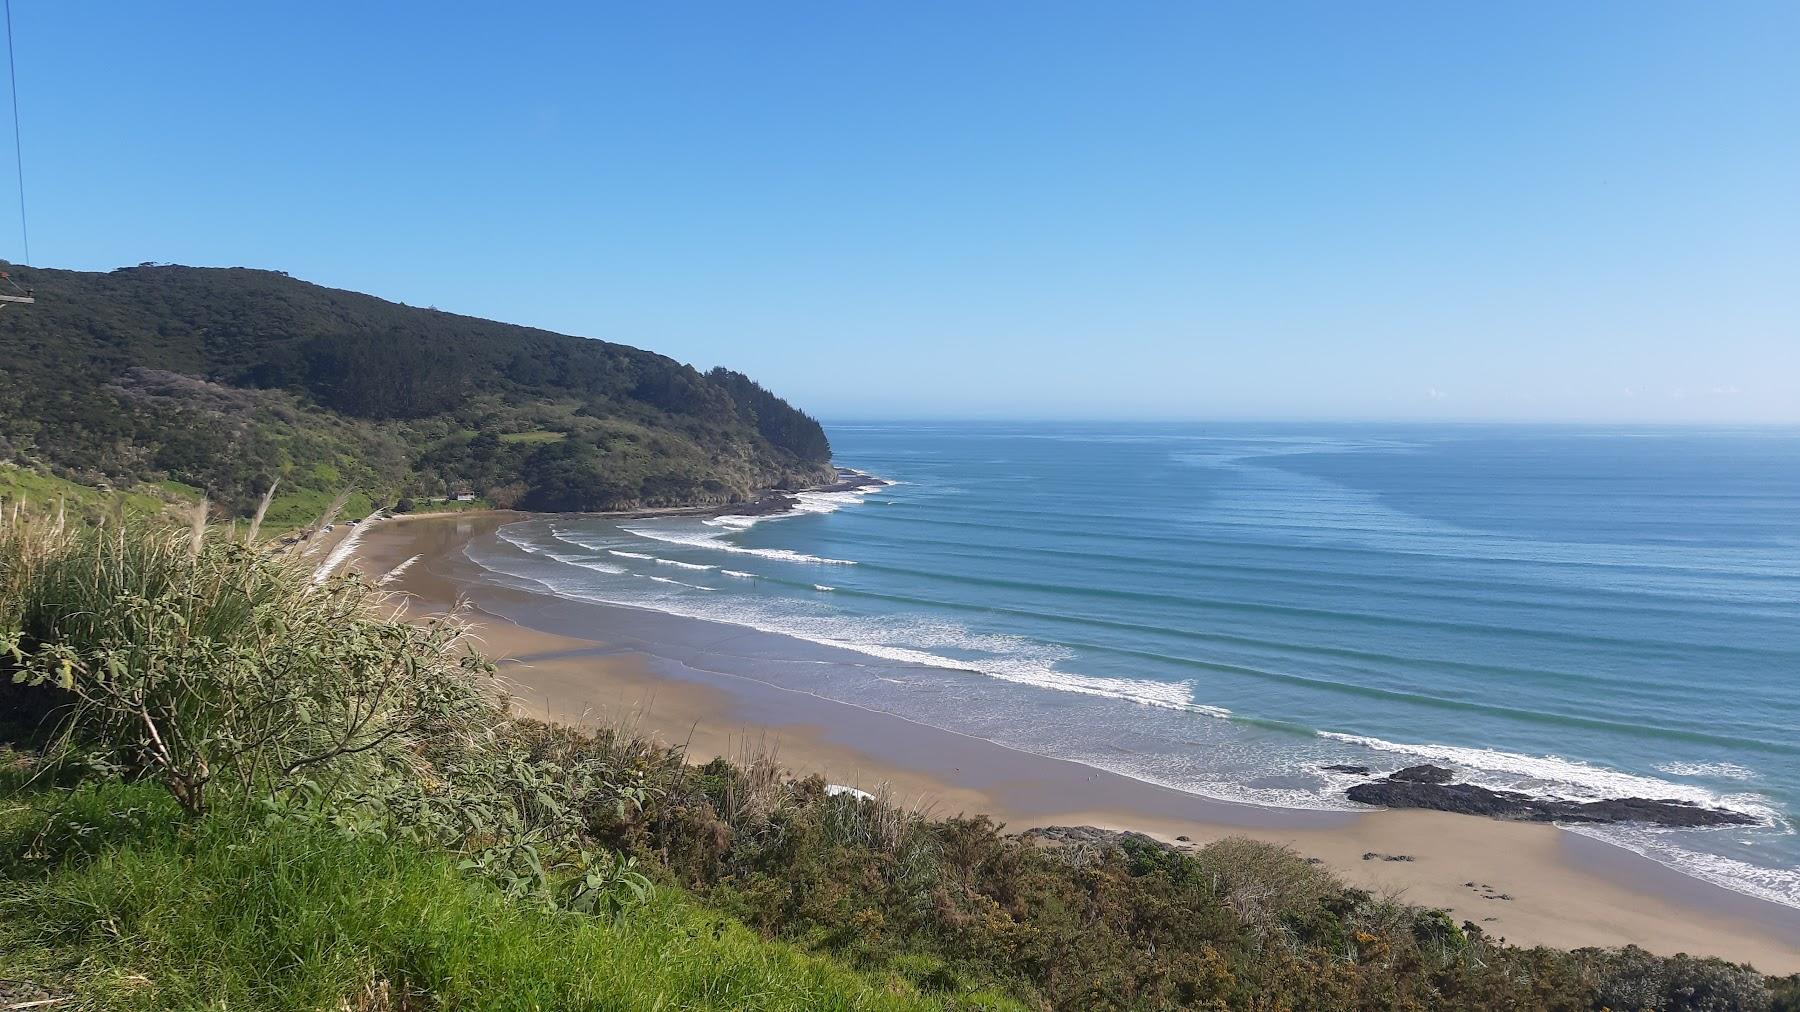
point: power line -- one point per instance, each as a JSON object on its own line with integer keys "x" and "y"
{"x": 12, "y": 73}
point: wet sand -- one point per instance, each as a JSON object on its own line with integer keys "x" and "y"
{"x": 1530, "y": 883}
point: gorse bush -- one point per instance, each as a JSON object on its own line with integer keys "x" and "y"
{"x": 1088, "y": 920}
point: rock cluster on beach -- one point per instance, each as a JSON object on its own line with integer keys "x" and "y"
{"x": 1090, "y": 836}
{"x": 1432, "y": 787}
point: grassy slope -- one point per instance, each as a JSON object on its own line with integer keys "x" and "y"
{"x": 20, "y": 484}
{"x": 139, "y": 912}
{"x": 299, "y": 508}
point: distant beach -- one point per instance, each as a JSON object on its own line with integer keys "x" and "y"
{"x": 698, "y": 682}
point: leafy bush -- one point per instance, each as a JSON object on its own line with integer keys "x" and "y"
{"x": 229, "y": 671}
{"x": 1630, "y": 978}
{"x": 193, "y": 661}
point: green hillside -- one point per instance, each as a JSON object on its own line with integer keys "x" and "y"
{"x": 223, "y": 379}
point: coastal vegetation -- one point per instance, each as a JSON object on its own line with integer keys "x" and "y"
{"x": 222, "y": 380}
{"x": 239, "y": 778}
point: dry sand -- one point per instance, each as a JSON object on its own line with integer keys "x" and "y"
{"x": 1529, "y": 883}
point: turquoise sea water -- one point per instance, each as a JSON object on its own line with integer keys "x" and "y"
{"x": 1576, "y": 612}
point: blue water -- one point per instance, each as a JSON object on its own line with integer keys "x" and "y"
{"x": 1225, "y": 608}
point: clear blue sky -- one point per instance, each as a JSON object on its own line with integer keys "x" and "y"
{"x": 1174, "y": 210}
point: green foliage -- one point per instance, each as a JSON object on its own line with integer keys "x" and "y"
{"x": 192, "y": 660}
{"x": 540, "y": 436}
{"x": 1785, "y": 994}
{"x": 222, "y": 380}
{"x": 779, "y": 424}
{"x": 1630, "y": 978}
{"x": 299, "y": 507}
{"x": 235, "y": 914}
{"x": 956, "y": 905}
{"x": 46, "y": 492}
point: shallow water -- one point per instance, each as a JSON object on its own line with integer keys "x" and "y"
{"x": 1577, "y": 612}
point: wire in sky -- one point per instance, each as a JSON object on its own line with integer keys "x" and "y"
{"x": 12, "y": 74}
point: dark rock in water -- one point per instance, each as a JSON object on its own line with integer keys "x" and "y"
{"x": 1662, "y": 811}
{"x": 1464, "y": 798}
{"x": 1424, "y": 774}
{"x": 1469, "y": 799}
{"x": 1361, "y": 771}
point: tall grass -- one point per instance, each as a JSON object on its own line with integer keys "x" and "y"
{"x": 206, "y": 662}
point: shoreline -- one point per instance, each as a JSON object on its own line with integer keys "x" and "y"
{"x": 578, "y": 662}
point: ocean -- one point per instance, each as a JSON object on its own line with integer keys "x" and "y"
{"x": 1227, "y": 609}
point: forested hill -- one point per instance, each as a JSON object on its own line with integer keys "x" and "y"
{"x": 225, "y": 378}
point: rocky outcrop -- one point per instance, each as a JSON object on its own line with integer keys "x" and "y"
{"x": 1420, "y": 787}
{"x": 1424, "y": 774}
{"x": 1090, "y": 836}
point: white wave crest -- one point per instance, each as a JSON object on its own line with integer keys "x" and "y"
{"x": 740, "y": 574}
{"x": 994, "y": 655}
{"x": 509, "y": 534}
{"x": 630, "y": 555}
{"x": 1026, "y": 671}
{"x": 683, "y": 565}
{"x": 677, "y": 583}
{"x": 821, "y": 587}
{"x": 805, "y": 503}
{"x": 711, "y": 541}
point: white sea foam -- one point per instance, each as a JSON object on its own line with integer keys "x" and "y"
{"x": 826, "y": 502}
{"x": 630, "y": 555}
{"x": 735, "y": 523}
{"x": 1028, "y": 671}
{"x": 567, "y": 558}
{"x": 822, "y": 587}
{"x": 712, "y": 541}
{"x": 683, "y": 565}
{"x": 509, "y": 534}
{"x": 1565, "y": 779}
{"x": 1777, "y": 885}
{"x": 677, "y": 583}
{"x": 740, "y": 574}
{"x": 805, "y": 503}
{"x": 1725, "y": 771}
{"x": 999, "y": 656}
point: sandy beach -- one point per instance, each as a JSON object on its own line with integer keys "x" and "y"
{"x": 1529, "y": 883}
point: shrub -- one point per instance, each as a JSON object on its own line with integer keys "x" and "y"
{"x": 196, "y": 661}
